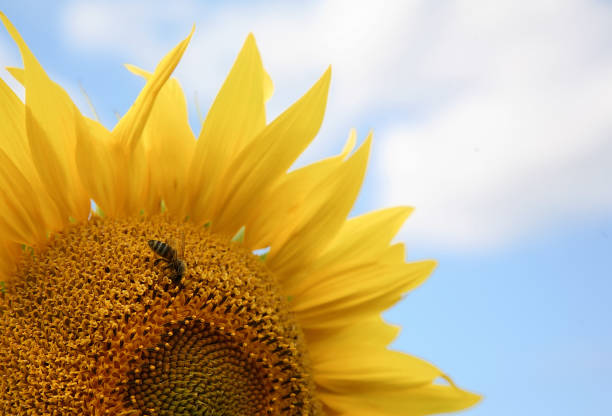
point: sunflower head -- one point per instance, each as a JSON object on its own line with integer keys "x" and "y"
{"x": 221, "y": 340}
{"x": 156, "y": 303}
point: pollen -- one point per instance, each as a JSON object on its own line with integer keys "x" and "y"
{"x": 94, "y": 324}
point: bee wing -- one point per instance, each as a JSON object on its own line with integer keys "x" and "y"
{"x": 171, "y": 243}
{"x": 181, "y": 246}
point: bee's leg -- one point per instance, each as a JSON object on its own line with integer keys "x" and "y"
{"x": 177, "y": 282}
{"x": 176, "y": 277}
{"x": 157, "y": 260}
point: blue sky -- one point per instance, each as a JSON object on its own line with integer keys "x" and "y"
{"x": 491, "y": 118}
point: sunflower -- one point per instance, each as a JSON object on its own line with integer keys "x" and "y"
{"x": 208, "y": 280}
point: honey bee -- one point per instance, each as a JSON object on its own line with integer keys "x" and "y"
{"x": 171, "y": 256}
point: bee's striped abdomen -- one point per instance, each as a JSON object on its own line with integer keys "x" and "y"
{"x": 162, "y": 249}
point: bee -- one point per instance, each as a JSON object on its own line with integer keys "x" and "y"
{"x": 171, "y": 256}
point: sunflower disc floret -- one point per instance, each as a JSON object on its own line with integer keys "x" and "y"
{"x": 93, "y": 325}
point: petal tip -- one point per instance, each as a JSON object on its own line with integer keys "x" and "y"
{"x": 327, "y": 74}
{"x": 406, "y": 209}
{"x": 249, "y": 44}
{"x": 430, "y": 265}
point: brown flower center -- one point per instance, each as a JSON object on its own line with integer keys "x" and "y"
{"x": 98, "y": 323}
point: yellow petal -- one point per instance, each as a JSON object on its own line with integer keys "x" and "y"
{"x": 279, "y": 207}
{"x": 269, "y": 155}
{"x": 357, "y": 293}
{"x": 295, "y": 247}
{"x": 12, "y": 124}
{"x": 380, "y": 333}
{"x": 264, "y": 159}
{"x": 169, "y": 141}
{"x": 97, "y": 166}
{"x": 21, "y": 220}
{"x": 17, "y": 73}
{"x": 268, "y": 87}
{"x": 426, "y": 400}
{"x": 50, "y": 121}
{"x": 133, "y": 172}
{"x": 128, "y": 130}
{"x": 361, "y": 241}
{"x": 128, "y": 149}
{"x": 138, "y": 71}
{"x": 9, "y": 254}
{"x": 349, "y": 376}
{"x": 235, "y": 118}
{"x": 361, "y": 236}
{"x": 16, "y": 148}
{"x": 358, "y": 368}
{"x": 350, "y": 143}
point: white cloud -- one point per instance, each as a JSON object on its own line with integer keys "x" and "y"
{"x": 141, "y": 30}
{"x": 496, "y": 114}
{"x": 526, "y": 143}
{"x": 297, "y": 41}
